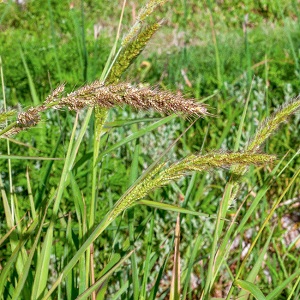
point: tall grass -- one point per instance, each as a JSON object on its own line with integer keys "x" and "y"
{"x": 79, "y": 235}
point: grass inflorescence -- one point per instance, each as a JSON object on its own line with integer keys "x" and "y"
{"x": 107, "y": 96}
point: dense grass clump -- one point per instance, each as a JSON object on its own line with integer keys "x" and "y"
{"x": 157, "y": 160}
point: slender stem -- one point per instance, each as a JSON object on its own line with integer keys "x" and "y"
{"x": 8, "y": 128}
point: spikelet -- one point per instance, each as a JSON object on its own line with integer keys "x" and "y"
{"x": 31, "y": 117}
{"x": 54, "y": 96}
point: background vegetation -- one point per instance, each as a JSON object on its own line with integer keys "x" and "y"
{"x": 228, "y": 54}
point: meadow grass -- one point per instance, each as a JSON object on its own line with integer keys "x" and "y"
{"x": 109, "y": 203}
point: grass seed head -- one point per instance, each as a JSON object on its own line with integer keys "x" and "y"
{"x": 270, "y": 125}
{"x": 98, "y": 94}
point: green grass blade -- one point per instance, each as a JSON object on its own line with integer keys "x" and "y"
{"x": 54, "y": 41}
{"x": 251, "y": 288}
{"x": 283, "y": 285}
{"x": 293, "y": 292}
{"x": 147, "y": 259}
{"x": 263, "y": 226}
{"x": 122, "y": 290}
{"x": 97, "y": 231}
{"x": 45, "y": 179}
{"x": 27, "y": 265}
{"x": 171, "y": 207}
{"x": 239, "y": 133}
{"x": 28, "y": 157}
{"x": 191, "y": 261}
{"x": 132, "y": 177}
{"x": 7, "y": 234}
{"x": 41, "y": 275}
{"x": 175, "y": 282}
{"x": 14, "y": 256}
{"x": 218, "y": 225}
{"x": 154, "y": 291}
{"x": 31, "y": 199}
{"x": 9, "y": 266}
{"x": 100, "y": 281}
{"x": 32, "y": 88}
{"x": 243, "y": 295}
{"x": 70, "y": 289}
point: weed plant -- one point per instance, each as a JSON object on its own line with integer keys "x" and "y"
{"x": 93, "y": 218}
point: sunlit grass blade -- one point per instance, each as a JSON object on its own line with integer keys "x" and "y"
{"x": 131, "y": 218}
{"x": 28, "y": 157}
{"x": 294, "y": 292}
{"x": 276, "y": 292}
{"x": 176, "y": 272}
{"x": 171, "y": 207}
{"x": 146, "y": 266}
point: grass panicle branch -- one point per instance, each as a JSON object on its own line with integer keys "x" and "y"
{"x": 146, "y": 11}
{"x": 97, "y": 94}
{"x": 264, "y": 131}
{"x": 269, "y": 126}
{"x": 108, "y": 96}
{"x": 158, "y": 177}
{"x": 130, "y": 51}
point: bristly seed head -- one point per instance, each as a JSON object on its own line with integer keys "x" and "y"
{"x": 98, "y": 94}
{"x": 119, "y": 94}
